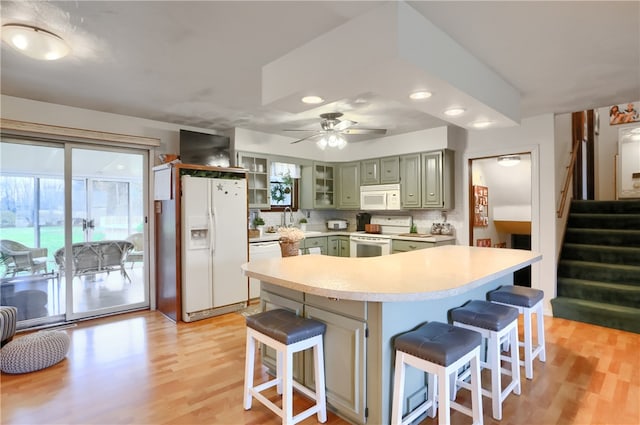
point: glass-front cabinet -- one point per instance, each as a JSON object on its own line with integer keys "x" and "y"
{"x": 258, "y": 180}
{"x": 318, "y": 191}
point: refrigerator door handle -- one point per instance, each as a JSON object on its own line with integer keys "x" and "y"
{"x": 212, "y": 230}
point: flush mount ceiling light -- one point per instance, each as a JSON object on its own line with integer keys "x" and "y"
{"x": 453, "y": 112}
{"x": 420, "y": 95}
{"x": 481, "y": 123}
{"x": 509, "y": 160}
{"x": 312, "y": 100}
{"x": 35, "y": 42}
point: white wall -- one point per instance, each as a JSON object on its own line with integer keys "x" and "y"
{"x": 535, "y": 135}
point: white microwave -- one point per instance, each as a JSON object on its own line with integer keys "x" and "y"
{"x": 380, "y": 197}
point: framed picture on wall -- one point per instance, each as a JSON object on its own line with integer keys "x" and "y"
{"x": 486, "y": 243}
{"x": 480, "y": 206}
{"x": 623, "y": 114}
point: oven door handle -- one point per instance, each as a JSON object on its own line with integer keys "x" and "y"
{"x": 370, "y": 242}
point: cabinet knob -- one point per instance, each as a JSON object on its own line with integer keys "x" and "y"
{"x": 411, "y": 194}
{"x": 431, "y": 194}
{"x": 412, "y": 246}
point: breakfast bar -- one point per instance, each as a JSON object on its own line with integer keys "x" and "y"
{"x": 366, "y": 302}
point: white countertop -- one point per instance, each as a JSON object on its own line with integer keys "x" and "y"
{"x": 417, "y": 275}
{"x": 267, "y": 237}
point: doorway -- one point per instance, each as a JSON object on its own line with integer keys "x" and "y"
{"x": 57, "y": 197}
{"x": 500, "y": 202}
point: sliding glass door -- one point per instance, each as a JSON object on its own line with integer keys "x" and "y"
{"x": 73, "y": 230}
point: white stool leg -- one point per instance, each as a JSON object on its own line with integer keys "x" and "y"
{"x": 248, "y": 370}
{"x": 432, "y": 394}
{"x": 528, "y": 344}
{"x": 398, "y": 389}
{"x": 318, "y": 358}
{"x": 493, "y": 347}
{"x": 541, "y": 343}
{"x": 279, "y": 375}
{"x": 287, "y": 382}
{"x": 476, "y": 390}
{"x": 515, "y": 361}
{"x": 444, "y": 402}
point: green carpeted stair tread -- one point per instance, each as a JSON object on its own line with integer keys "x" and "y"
{"x": 601, "y": 254}
{"x": 606, "y": 237}
{"x": 616, "y": 273}
{"x": 607, "y": 292}
{"x": 605, "y": 207}
{"x": 597, "y": 313}
{"x": 604, "y": 221}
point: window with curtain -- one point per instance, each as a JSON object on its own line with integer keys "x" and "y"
{"x": 284, "y": 185}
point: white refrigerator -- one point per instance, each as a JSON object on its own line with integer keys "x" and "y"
{"x": 214, "y": 246}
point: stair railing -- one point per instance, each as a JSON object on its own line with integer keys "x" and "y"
{"x": 568, "y": 178}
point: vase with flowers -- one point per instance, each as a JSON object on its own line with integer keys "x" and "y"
{"x": 290, "y": 238}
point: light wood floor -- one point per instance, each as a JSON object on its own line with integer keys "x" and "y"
{"x": 141, "y": 368}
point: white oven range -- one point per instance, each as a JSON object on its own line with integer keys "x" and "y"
{"x": 373, "y": 245}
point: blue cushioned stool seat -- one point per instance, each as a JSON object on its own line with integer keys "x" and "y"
{"x": 484, "y": 314}
{"x": 440, "y": 350}
{"x": 438, "y": 343}
{"x": 517, "y": 295}
{"x": 284, "y": 326}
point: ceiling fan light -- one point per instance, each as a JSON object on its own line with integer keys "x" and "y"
{"x": 312, "y": 100}
{"x": 420, "y": 95}
{"x": 332, "y": 141}
{"x": 322, "y": 143}
{"x": 35, "y": 42}
{"x": 453, "y": 112}
{"x": 509, "y": 160}
{"x": 342, "y": 142}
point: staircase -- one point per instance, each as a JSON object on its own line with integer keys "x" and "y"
{"x": 599, "y": 267}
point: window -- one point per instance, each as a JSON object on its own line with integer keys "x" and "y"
{"x": 284, "y": 186}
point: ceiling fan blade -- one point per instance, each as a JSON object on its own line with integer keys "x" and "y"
{"x": 343, "y": 125}
{"x": 365, "y": 131}
{"x": 305, "y": 138}
{"x": 299, "y": 129}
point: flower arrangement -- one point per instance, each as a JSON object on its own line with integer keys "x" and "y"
{"x": 290, "y": 234}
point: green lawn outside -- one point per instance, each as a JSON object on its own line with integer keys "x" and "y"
{"x": 51, "y": 237}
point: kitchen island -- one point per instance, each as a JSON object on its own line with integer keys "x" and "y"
{"x": 366, "y": 302}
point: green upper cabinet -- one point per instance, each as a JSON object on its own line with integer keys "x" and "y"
{"x": 370, "y": 172}
{"x": 318, "y": 186}
{"x": 410, "y": 178}
{"x": 437, "y": 179}
{"x": 390, "y": 170}
{"x": 380, "y": 171}
{"x": 258, "y": 180}
{"x": 349, "y": 185}
{"x": 427, "y": 180}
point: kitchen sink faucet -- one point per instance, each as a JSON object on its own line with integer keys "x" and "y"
{"x": 284, "y": 217}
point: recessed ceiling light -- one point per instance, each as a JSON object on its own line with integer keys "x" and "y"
{"x": 35, "y": 42}
{"x": 420, "y": 95}
{"x": 312, "y": 100}
{"x": 481, "y": 123}
{"x": 452, "y": 112}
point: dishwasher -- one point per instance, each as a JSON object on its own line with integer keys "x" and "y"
{"x": 261, "y": 251}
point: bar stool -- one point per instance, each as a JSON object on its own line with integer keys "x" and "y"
{"x": 286, "y": 333}
{"x": 527, "y": 301}
{"x": 497, "y": 324}
{"x": 438, "y": 349}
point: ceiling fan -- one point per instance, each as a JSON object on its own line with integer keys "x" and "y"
{"x": 333, "y": 129}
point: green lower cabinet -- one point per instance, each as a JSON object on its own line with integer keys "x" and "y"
{"x": 345, "y": 364}
{"x": 338, "y": 246}
{"x": 317, "y": 242}
{"x": 405, "y": 245}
